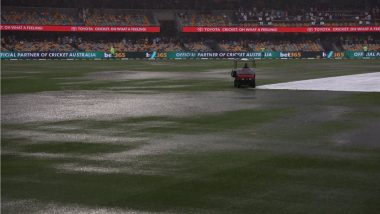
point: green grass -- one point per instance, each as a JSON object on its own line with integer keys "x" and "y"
{"x": 282, "y": 156}
{"x": 360, "y": 99}
{"x": 229, "y": 182}
{"x": 34, "y": 76}
{"x": 74, "y": 148}
{"x": 155, "y": 85}
{"x": 241, "y": 121}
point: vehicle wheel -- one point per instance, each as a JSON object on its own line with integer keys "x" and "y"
{"x": 253, "y": 84}
{"x": 235, "y": 84}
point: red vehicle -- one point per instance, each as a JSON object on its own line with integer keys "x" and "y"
{"x": 244, "y": 76}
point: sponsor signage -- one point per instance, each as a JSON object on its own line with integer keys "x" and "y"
{"x": 80, "y": 55}
{"x": 52, "y": 55}
{"x": 333, "y": 54}
{"x": 193, "y": 55}
{"x": 311, "y": 54}
{"x": 362, "y": 54}
{"x": 319, "y": 29}
{"x": 136, "y": 55}
{"x": 64, "y": 28}
{"x": 252, "y": 55}
{"x": 290, "y": 55}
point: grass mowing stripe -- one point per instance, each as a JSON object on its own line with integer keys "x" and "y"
{"x": 254, "y": 178}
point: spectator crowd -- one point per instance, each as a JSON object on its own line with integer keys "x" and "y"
{"x": 74, "y": 43}
{"x": 204, "y": 19}
{"x": 80, "y": 17}
{"x": 275, "y": 17}
{"x": 248, "y": 16}
{"x": 164, "y": 44}
{"x": 306, "y": 17}
{"x": 41, "y": 16}
{"x": 357, "y": 43}
{"x": 243, "y": 16}
{"x": 302, "y": 44}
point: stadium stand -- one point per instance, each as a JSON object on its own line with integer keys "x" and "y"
{"x": 66, "y": 43}
{"x": 79, "y": 17}
{"x": 243, "y": 17}
{"x": 108, "y": 17}
{"x": 197, "y": 46}
{"x": 135, "y": 43}
{"x": 189, "y": 13}
{"x": 205, "y": 19}
{"x": 234, "y": 46}
{"x": 272, "y": 17}
{"x": 359, "y": 47}
{"x": 156, "y": 44}
{"x": 270, "y": 45}
{"x": 310, "y": 17}
{"x": 40, "y": 16}
{"x": 74, "y": 43}
{"x": 284, "y": 45}
{"x": 356, "y": 43}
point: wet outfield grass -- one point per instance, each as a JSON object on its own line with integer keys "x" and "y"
{"x": 265, "y": 151}
{"x": 36, "y": 76}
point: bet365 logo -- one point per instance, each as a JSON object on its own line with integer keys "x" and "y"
{"x": 107, "y": 55}
{"x": 328, "y": 55}
{"x": 151, "y": 55}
